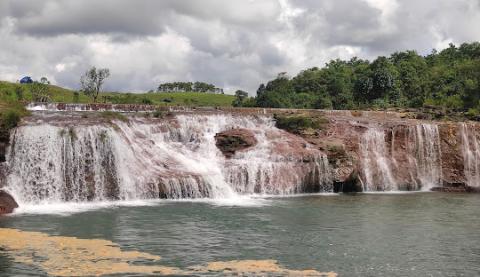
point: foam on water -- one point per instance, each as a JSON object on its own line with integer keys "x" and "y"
{"x": 67, "y": 208}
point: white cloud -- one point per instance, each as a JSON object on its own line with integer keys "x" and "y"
{"x": 235, "y": 44}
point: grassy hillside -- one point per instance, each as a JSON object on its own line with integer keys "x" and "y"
{"x": 11, "y": 92}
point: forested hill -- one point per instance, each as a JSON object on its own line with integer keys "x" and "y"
{"x": 449, "y": 79}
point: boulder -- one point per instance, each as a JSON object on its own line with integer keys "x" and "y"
{"x": 231, "y": 141}
{"x": 349, "y": 184}
{"x": 7, "y": 203}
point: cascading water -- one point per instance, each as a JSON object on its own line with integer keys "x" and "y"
{"x": 425, "y": 149}
{"x": 376, "y": 165}
{"x": 471, "y": 155}
{"x": 54, "y": 161}
{"x": 413, "y": 156}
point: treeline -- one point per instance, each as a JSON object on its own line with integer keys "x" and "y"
{"x": 447, "y": 79}
{"x": 188, "y": 87}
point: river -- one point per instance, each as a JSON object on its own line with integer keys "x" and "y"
{"x": 370, "y": 234}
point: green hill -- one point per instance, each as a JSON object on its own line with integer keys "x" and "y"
{"x": 11, "y": 92}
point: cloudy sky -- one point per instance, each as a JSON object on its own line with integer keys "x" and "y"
{"x": 233, "y": 44}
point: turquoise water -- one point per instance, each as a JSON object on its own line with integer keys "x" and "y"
{"x": 414, "y": 234}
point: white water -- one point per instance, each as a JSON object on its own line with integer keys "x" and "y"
{"x": 147, "y": 159}
{"x": 376, "y": 165}
{"x": 426, "y": 156}
{"x": 471, "y": 155}
{"x": 382, "y": 166}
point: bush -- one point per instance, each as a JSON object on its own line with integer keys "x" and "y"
{"x": 298, "y": 123}
{"x": 473, "y": 114}
{"x": 158, "y": 114}
{"x": 114, "y": 116}
{"x": 10, "y": 119}
{"x": 76, "y": 97}
{"x": 146, "y": 101}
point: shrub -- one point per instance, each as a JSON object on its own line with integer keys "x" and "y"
{"x": 114, "y": 116}
{"x": 76, "y": 97}
{"x": 158, "y": 114}
{"x": 146, "y": 101}
{"x": 298, "y": 123}
{"x": 10, "y": 116}
{"x": 473, "y": 113}
{"x": 10, "y": 119}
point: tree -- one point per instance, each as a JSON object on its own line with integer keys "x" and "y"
{"x": 260, "y": 90}
{"x": 240, "y": 96}
{"x": 40, "y": 92}
{"x": 278, "y": 94}
{"x": 44, "y": 81}
{"x": 92, "y": 81}
{"x": 445, "y": 79}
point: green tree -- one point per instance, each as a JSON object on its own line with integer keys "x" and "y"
{"x": 92, "y": 81}
{"x": 240, "y": 97}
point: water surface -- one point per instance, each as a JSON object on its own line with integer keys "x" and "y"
{"x": 413, "y": 234}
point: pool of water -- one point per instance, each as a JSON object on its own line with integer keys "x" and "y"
{"x": 413, "y": 234}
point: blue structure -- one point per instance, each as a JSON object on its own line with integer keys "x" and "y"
{"x": 26, "y": 80}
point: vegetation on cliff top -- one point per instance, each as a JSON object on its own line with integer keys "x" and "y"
{"x": 449, "y": 79}
{"x": 10, "y": 115}
{"x": 299, "y": 123}
{"x": 23, "y": 92}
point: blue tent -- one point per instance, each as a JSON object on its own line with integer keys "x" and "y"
{"x": 26, "y": 80}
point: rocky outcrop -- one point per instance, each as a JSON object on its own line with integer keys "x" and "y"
{"x": 175, "y": 156}
{"x": 231, "y": 141}
{"x": 7, "y": 203}
{"x": 383, "y": 152}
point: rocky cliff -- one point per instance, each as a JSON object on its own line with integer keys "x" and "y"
{"x": 86, "y": 156}
{"x": 385, "y": 150}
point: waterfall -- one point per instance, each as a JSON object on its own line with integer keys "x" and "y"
{"x": 376, "y": 164}
{"x": 53, "y": 160}
{"x": 425, "y": 151}
{"x": 412, "y": 161}
{"x": 471, "y": 155}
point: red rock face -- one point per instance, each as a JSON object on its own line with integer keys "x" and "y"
{"x": 7, "y": 203}
{"x": 365, "y": 150}
{"x": 415, "y": 151}
{"x": 234, "y": 140}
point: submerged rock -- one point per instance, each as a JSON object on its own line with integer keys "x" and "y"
{"x": 462, "y": 188}
{"x": 7, "y": 203}
{"x": 234, "y": 140}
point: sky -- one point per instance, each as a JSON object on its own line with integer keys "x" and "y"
{"x": 234, "y": 44}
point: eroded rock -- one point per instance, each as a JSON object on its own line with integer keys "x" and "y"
{"x": 231, "y": 141}
{"x": 7, "y": 203}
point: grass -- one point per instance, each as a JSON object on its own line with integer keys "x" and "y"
{"x": 8, "y": 93}
{"x": 109, "y": 115}
{"x": 171, "y": 99}
{"x": 11, "y": 92}
{"x": 11, "y": 113}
